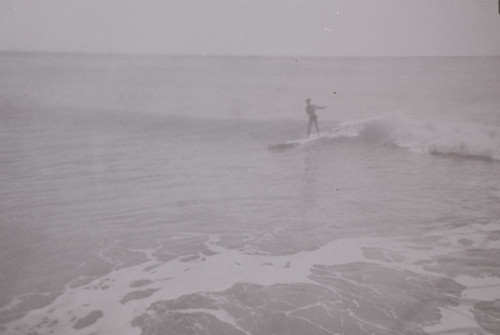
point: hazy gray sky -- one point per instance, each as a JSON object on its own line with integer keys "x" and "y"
{"x": 253, "y": 27}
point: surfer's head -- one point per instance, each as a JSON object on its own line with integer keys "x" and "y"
{"x": 308, "y": 100}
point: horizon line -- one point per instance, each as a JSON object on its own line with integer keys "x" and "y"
{"x": 215, "y": 55}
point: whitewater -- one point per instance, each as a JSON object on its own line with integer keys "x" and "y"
{"x": 437, "y": 137}
{"x": 159, "y": 195}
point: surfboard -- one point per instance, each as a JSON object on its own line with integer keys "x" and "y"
{"x": 340, "y": 131}
{"x": 296, "y": 143}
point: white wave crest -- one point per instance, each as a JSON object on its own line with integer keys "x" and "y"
{"x": 444, "y": 137}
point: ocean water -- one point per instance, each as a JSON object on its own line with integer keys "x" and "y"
{"x": 161, "y": 195}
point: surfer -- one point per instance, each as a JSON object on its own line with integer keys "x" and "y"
{"x": 313, "y": 118}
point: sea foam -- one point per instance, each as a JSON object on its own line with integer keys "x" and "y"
{"x": 437, "y": 136}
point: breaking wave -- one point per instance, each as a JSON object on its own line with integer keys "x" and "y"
{"x": 436, "y": 137}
